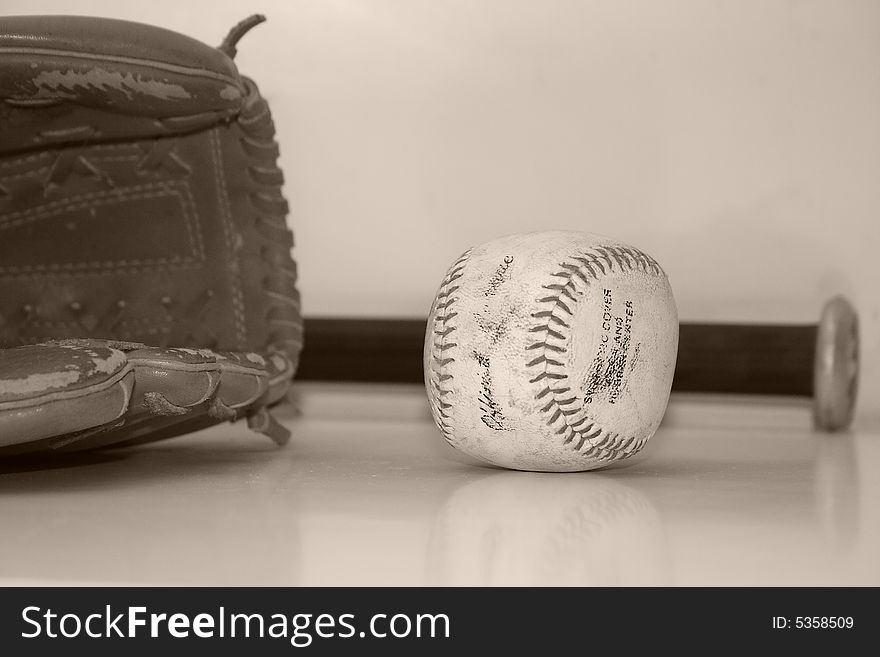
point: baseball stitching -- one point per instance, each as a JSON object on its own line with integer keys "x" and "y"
{"x": 443, "y": 327}
{"x": 565, "y": 410}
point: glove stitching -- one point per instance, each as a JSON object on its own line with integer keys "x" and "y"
{"x": 179, "y": 190}
{"x": 228, "y": 234}
{"x": 84, "y": 200}
{"x": 16, "y": 161}
{"x": 25, "y": 174}
{"x": 159, "y": 265}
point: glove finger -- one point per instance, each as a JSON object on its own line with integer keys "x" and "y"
{"x": 280, "y": 372}
{"x": 59, "y": 388}
{"x": 244, "y": 380}
{"x": 172, "y": 381}
{"x": 169, "y": 384}
{"x": 178, "y": 391}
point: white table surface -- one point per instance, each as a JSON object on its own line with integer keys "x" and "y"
{"x": 728, "y": 492}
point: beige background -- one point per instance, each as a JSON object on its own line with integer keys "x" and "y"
{"x": 737, "y": 142}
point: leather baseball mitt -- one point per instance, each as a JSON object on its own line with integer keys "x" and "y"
{"x": 147, "y": 287}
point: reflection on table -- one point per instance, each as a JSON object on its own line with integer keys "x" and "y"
{"x": 367, "y": 493}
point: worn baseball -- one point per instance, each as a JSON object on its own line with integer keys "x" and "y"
{"x": 551, "y": 351}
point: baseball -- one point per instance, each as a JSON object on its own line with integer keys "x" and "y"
{"x": 551, "y": 351}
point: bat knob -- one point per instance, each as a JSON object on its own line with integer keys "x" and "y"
{"x": 836, "y": 367}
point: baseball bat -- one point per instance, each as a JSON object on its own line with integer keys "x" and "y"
{"x": 816, "y": 361}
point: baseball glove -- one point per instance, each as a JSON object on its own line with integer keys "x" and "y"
{"x": 147, "y": 287}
